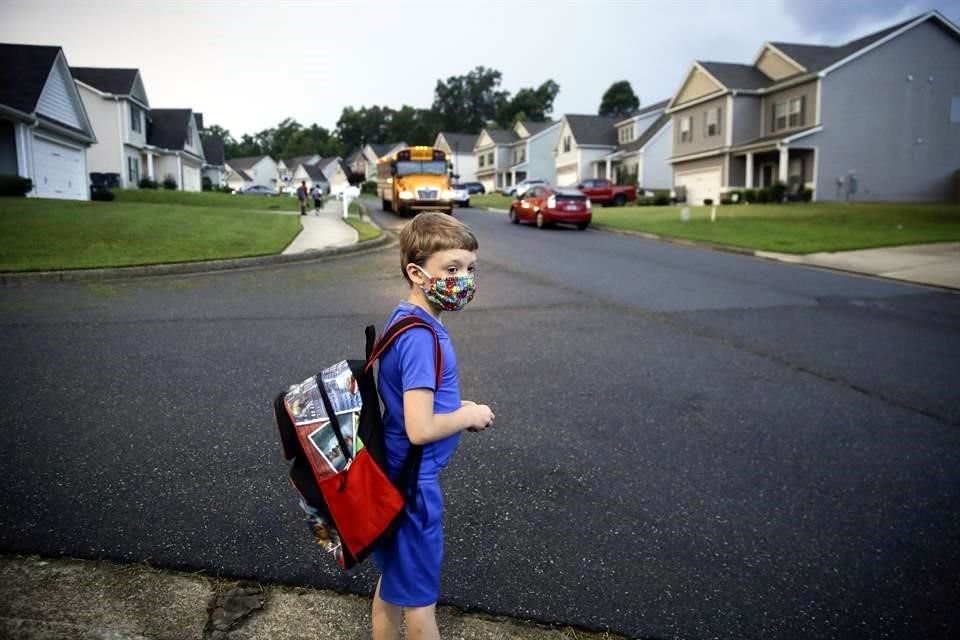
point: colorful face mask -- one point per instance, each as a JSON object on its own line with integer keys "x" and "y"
{"x": 451, "y": 293}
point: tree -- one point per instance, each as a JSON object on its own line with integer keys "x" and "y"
{"x": 466, "y": 103}
{"x": 311, "y": 140}
{"x": 528, "y": 104}
{"x": 364, "y": 125}
{"x": 619, "y": 100}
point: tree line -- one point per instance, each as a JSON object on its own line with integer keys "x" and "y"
{"x": 463, "y": 104}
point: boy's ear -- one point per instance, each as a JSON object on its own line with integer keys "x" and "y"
{"x": 415, "y": 275}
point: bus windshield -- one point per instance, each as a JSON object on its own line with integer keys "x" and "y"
{"x": 430, "y": 167}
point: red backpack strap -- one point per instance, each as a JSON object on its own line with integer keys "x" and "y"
{"x": 394, "y": 330}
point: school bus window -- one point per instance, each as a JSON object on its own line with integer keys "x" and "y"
{"x": 409, "y": 167}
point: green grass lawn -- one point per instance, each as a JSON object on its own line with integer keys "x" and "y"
{"x": 491, "y": 201}
{"x": 795, "y": 228}
{"x": 365, "y": 231}
{"x": 139, "y": 228}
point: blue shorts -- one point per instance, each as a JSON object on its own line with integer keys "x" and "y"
{"x": 410, "y": 561}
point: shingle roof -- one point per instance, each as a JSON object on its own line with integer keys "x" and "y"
{"x": 501, "y": 136}
{"x": 653, "y": 107}
{"x": 382, "y": 149}
{"x": 314, "y": 172}
{"x": 817, "y": 58}
{"x": 738, "y": 76}
{"x": 648, "y": 133}
{"x": 241, "y": 173}
{"x": 293, "y": 163}
{"x": 212, "y": 148}
{"x": 593, "y": 130}
{"x": 23, "y": 74}
{"x": 245, "y": 163}
{"x": 535, "y": 127}
{"x": 167, "y": 128}
{"x": 116, "y": 81}
{"x": 460, "y": 141}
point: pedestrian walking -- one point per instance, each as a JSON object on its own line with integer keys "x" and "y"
{"x": 317, "y": 194}
{"x": 438, "y": 254}
{"x": 302, "y": 194}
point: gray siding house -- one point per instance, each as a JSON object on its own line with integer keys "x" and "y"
{"x": 798, "y": 115}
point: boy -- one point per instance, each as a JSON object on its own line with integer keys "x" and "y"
{"x": 438, "y": 257}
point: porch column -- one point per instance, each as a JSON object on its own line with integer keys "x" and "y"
{"x": 608, "y": 176}
{"x": 782, "y": 167}
{"x": 749, "y": 183}
{"x": 149, "y": 165}
{"x": 180, "y": 172}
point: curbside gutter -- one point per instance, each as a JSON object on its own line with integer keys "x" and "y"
{"x": 202, "y": 266}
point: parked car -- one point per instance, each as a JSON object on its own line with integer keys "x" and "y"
{"x": 601, "y": 191}
{"x": 544, "y": 205}
{"x": 257, "y": 190}
{"x": 461, "y": 195}
{"x": 473, "y": 187}
{"x": 521, "y": 187}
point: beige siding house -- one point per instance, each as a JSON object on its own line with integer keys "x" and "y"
{"x": 797, "y": 116}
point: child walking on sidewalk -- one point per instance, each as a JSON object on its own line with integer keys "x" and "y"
{"x": 438, "y": 257}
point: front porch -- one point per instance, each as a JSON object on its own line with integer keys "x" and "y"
{"x": 759, "y": 167}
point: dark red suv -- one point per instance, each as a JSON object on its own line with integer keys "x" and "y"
{"x": 545, "y": 205}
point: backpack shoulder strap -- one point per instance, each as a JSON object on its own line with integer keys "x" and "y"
{"x": 392, "y": 332}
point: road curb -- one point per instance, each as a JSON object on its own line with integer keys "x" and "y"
{"x": 203, "y": 266}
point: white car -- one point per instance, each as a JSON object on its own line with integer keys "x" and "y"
{"x": 521, "y": 187}
{"x": 460, "y": 195}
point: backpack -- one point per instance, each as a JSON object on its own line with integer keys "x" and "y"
{"x": 331, "y": 427}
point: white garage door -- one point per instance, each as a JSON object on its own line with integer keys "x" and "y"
{"x": 191, "y": 178}
{"x": 700, "y": 185}
{"x": 567, "y": 176}
{"x": 58, "y": 171}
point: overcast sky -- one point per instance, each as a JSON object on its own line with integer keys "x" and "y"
{"x": 248, "y": 65}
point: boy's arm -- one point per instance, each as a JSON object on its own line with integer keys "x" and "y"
{"x": 424, "y": 426}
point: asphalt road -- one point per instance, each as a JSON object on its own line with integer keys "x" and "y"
{"x": 688, "y": 443}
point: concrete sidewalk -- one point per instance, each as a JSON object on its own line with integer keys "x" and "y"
{"x": 68, "y": 599}
{"x": 322, "y": 229}
{"x": 935, "y": 264}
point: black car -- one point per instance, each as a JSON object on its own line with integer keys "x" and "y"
{"x": 473, "y": 187}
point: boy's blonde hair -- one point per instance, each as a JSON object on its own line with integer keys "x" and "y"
{"x": 429, "y": 233}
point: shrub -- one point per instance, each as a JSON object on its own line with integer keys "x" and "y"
{"x": 777, "y": 191}
{"x": 749, "y": 195}
{"x": 369, "y": 186}
{"x": 763, "y": 195}
{"x": 661, "y": 200}
{"x": 707, "y": 201}
{"x": 169, "y": 183}
{"x": 15, "y": 186}
{"x": 147, "y": 183}
{"x": 806, "y": 194}
{"x": 102, "y": 194}
{"x": 206, "y": 183}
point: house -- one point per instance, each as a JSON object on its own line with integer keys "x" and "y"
{"x": 363, "y": 161}
{"x": 582, "y": 141}
{"x": 493, "y": 151}
{"x": 642, "y": 154}
{"x": 798, "y": 115}
{"x": 120, "y": 112}
{"x": 251, "y": 170}
{"x": 174, "y": 134}
{"x": 459, "y": 147}
{"x": 287, "y": 169}
{"x": 45, "y": 130}
{"x": 531, "y": 156}
{"x": 336, "y": 172}
{"x": 214, "y": 161}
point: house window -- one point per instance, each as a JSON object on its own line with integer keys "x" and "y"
{"x": 135, "y": 123}
{"x": 481, "y": 160}
{"x": 625, "y": 134}
{"x": 712, "y": 121}
{"x": 566, "y": 144}
{"x": 779, "y": 116}
{"x": 795, "y": 109}
{"x": 133, "y": 170}
{"x": 490, "y": 158}
{"x": 686, "y": 129}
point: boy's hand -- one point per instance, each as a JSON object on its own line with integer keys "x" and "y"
{"x": 478, "y": 416}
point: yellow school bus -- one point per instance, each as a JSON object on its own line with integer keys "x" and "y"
{"x": 415, "y": 179}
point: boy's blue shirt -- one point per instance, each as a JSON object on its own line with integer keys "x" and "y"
{"x": 409, "y": 364}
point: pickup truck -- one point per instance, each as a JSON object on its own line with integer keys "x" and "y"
{"x": 602, "y": 191}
